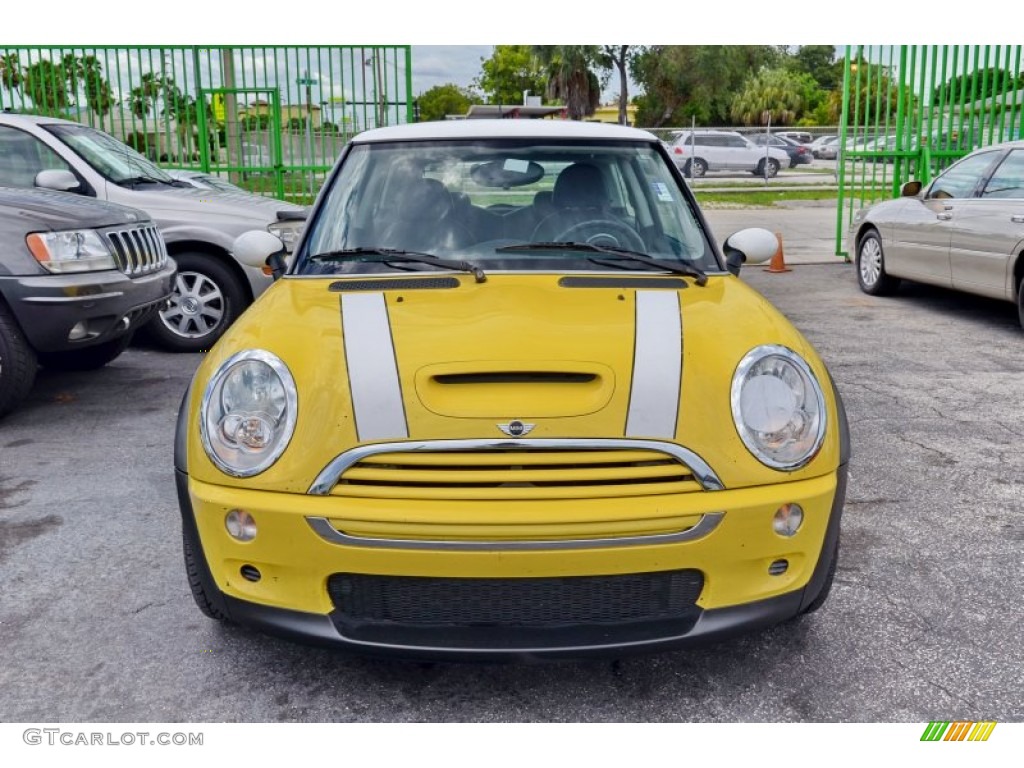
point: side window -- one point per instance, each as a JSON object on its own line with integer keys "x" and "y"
{"x": 962, "y": 179}
{"x": 736, "y": 141}
{"x": 1008, "y": 180}
{"x": 22, "y": 156}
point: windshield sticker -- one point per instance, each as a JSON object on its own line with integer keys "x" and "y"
{"x": 661, "y": 190}
{"x": 516, "y": 166}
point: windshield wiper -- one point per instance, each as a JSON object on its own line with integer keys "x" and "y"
{"x": 622, "y": 254}
{"x": 134, "y": 180}
{"x": 398, "y": 255}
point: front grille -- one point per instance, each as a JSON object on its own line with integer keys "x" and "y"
{"x": 516, "y": 474}
{"x": 139, "y": 250}
{"x": 528, "y": 603}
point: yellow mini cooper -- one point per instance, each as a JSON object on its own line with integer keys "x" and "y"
{"x": 508, "y": 399}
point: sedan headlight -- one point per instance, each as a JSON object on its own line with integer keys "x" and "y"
{"x": 287, "y": 232}
{"x": 79, "y": 250}
{"x": 248, "y": 413}
{"x": 778, "y": 407}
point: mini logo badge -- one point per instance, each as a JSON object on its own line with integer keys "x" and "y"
{"x": 516, "y": 428}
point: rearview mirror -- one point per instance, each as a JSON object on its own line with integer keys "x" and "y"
{"x": 910, "y": 189}
{"x": 260, "y": 249}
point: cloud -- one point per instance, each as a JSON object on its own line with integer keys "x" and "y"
{"x": 442, "y": 64}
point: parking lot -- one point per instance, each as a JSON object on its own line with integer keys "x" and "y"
{"x": 924, "y": 623}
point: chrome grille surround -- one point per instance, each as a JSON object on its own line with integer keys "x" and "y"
{"x": 690, "y": 462}
{"x": 138, "y": 250}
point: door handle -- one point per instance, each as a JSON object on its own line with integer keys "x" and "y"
{"x": 944, "y": 216}
{"x": 1017, "y": 219}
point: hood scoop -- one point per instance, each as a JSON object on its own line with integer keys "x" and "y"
{"x": 515, "y": 389}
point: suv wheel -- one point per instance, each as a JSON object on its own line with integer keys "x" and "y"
{"x": 773, "y": 168}
{"x": 207, "y": 298}
{"x": 17, "y": 363}
{"x": 87, "y": 358}
{"x": 696, "y": 168}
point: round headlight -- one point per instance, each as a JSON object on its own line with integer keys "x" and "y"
{"x": 248, "y": 413}
{"x": 778, "y": 407}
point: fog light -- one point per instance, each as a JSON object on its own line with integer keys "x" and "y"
{"x": 788, "y": 519}
{"x": 78, "y": 331}
{"x": 240, "y": 525}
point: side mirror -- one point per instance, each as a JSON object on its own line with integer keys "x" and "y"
{"x": 260, "y": 249}
{"x": 754, "y": 245}
{"x": 59, "y": 181}
{"x": 910, "y": 189}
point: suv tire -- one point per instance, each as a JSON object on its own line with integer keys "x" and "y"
{"x": 207, "y": 299}
{"x": 17, "y": 363}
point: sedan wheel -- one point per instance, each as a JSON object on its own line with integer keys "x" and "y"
{"x": 871, "y": 266}
{"x": 1020, "y": 301}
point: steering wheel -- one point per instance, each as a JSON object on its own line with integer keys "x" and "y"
{"x": 607, "y": 232}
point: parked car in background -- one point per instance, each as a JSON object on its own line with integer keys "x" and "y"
{"x": 464, "y": 423}
{"x": 798, "y": 154}
{"x": 825, "y": 147}
{"x": 800, "y": 137}
{"x": 77, "y": 277}
{"x": 212, "y": 288}
{"x": 697, "y": 152}
{"x": 962, "y": 231}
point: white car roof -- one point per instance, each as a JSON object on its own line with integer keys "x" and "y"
{"x": 503, "y": 129}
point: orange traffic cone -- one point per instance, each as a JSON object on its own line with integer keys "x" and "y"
{"x": 778, "y": 263}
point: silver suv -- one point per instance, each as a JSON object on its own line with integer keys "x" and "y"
{"x": 697, "y": 152}
{"x": 199, "y": 227}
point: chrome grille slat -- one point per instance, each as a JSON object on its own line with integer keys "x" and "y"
{"x": 139, "y": 250}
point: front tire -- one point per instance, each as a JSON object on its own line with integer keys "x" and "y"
{"x": 207, "y": 299}
{"x": 773, "y": 168}
{"x": 696, "y": 168}
{"x": 17, "y": 363}
{"x": 1020, "y": 301}
{"x": 871, "y": 272}
{"x": 826, "y": 588}
{"x": 194, "y": 571}
{"x": 87, "y": 358}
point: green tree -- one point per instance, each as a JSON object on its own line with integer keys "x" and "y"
{"x": 977, "y": 85}
{"x": 10, "y": 74}
{"x": 46, "y": 83}
{"x": 684, "y": 82}
{"x": 617, "y": 58}
{"x": 819, "y": 61}
{"x": 443, "y": 100}
{"x": 511, "y": 70}
{"x": 873, "y": 95}
{"x": 570, "y": 80}
{"x": 85, "y": 75}
{"x": 771, "y": 93}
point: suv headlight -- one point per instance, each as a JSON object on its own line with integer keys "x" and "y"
{"x": 77, "y": 250}
{"x": 778, "y": 407}
{"x": 248, "y": 412}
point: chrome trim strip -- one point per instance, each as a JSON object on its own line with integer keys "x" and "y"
{"x": 330, "y": 474}
{"x": 657, "y": 366}
{"x": 372, "y": 368}
{"x": 708, "y": 522}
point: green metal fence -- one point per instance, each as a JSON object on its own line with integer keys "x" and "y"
{"x": 909, "y": 111}
{"x": 270, "y": 118}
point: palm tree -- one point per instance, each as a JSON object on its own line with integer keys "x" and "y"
{"x": 10, "y": 74}
{"x": 570, "y": 79}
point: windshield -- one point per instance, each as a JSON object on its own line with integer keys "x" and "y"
{"x": 116, "y": 161}
{"x": 494, "y": 202}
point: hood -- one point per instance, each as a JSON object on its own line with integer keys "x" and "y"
{"x": 45, "y": 209}
{"x": 443, "y": 357}
{"x": 170, "y": 205}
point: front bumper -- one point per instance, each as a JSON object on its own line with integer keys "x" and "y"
{"x": 737, "y": 593}
{"x": 47, "y": 307}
